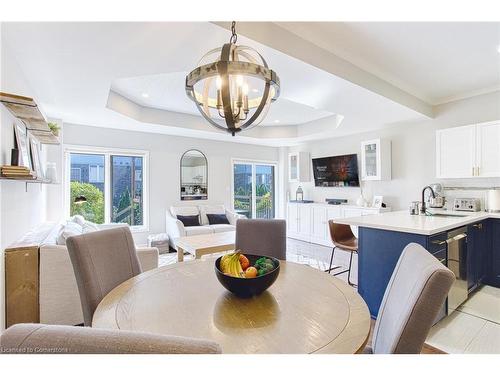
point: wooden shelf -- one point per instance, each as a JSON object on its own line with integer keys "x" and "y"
{"x": 26, "y": 109}
{"x": 30, "y": 180}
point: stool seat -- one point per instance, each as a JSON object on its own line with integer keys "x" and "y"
{"x": 342, "y": 238}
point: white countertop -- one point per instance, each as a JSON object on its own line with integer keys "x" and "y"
{"x": 343, "y": 205}
{"x": 402, "y": 221}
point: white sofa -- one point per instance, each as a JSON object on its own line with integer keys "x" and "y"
{"x": 175, "y": 228}
{"x": 59, "y": 299}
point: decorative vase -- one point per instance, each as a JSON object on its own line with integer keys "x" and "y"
{"x": 361, "y": 201}
{"x": 51, "y": 172}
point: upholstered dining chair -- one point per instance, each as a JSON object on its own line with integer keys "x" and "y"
{"x": 342, "y": 238}
{"x": 416, "y": 292}
{"x": 101, "y": 260}
{"x": 266, "y": 237}
{"x": 54, "y": 339}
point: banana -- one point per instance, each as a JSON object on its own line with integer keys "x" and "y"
{"x": 230, "y": 264}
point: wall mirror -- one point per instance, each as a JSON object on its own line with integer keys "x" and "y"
{"x": 194, "y": 176}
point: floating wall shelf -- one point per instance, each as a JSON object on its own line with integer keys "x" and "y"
{"x": 26, "y": 109}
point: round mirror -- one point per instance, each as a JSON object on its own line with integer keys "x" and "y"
{"x": 194, "y": 176}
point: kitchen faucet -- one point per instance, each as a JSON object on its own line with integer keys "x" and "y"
{"x": 422, "y": 207}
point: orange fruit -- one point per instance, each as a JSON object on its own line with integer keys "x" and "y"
{"x": 244, "y": 262}
{"x": 251, "y": 272}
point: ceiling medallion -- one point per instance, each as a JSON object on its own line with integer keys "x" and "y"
{"x": 233, "y": 87}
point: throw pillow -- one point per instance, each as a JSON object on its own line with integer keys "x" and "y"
{"x": 189, "y": 221}
{"x": 89, "y": 226}
{"x": 68, "y": 230}
{"x": 217, "y": 219}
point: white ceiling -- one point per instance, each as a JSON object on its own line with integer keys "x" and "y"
{"x": 166, "y": 91}
{"x": 434, "y": 61}
{"x": 74, "y": 68}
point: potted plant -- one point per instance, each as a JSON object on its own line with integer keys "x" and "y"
{"x": 54, "y": 128}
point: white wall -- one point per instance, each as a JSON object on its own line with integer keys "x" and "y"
{"x": 165, "y": 152}
{"x": 20, "y": 211}
{"x": 413, "y": 154}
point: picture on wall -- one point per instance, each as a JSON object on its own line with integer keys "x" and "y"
{"x": 21, "y": 143}
{"x": 35, "y": 157}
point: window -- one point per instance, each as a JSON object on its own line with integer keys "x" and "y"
{"x": 254, "y": 189}
{"x": 113, "y": 183}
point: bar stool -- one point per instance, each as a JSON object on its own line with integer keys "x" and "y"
{"x": 344, "y": 239}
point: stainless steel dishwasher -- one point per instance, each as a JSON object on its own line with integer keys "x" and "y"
{"x": 457, "y": 263}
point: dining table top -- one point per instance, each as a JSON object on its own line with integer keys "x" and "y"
{"x": 304, "y": 311}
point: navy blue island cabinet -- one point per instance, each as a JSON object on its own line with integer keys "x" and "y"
{"x": 379, "y": 251}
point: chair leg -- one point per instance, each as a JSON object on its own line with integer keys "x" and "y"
{"x": 349, "y": 273}
{"x": 331, "y": 261}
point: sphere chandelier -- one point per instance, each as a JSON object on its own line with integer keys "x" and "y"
{"x": 232, "y": 86}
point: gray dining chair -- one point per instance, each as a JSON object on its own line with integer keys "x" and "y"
{"x": 262, "y": 237}
{"x": 101, "y": 260}
{"x": 54, "y": 339}
{"x": 416, "y": 292}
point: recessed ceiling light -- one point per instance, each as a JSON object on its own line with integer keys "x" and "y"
{"x": 498, "y": 49}
{"x": 145, "y": 95}
{"x": 276, "y": 121}
{"x": 255, "y": 90}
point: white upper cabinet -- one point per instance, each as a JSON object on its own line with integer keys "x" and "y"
{"x": 376, "y": 160}
{"x": 299, "y": 169}
{"x": 488, "y": 149}
{"x": 468, "y": 151}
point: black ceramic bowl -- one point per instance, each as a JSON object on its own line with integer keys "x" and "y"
{"x": 243, "y": 287}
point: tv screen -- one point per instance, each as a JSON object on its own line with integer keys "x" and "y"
{"x": 336, "y": 171}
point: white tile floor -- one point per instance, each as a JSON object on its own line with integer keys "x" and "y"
{"x": 301, "y": 252}
{"x": 474, "y": 328}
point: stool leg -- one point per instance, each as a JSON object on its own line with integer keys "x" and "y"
{"x": 349, "y": 273}
{"x": 331, "y": 261}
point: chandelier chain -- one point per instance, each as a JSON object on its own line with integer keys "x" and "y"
{"x": 234, "y": 36}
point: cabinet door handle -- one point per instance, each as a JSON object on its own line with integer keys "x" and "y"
{"x": 473, "y": 171}
{"x": 478, "y": 226}
{"x": 437, "y": 242}
{"x": 477, "y": 171}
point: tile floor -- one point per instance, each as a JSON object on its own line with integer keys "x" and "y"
{"x": 475, "y": 328}
{"x": 301, "y": 252}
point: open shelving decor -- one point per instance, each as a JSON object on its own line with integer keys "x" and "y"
{"x": 26, "y": 109}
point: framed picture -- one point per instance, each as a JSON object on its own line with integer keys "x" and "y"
{"x": 35, "y": 157}
{"x": 21, "y": 143}
{"x": 377, "y": 201}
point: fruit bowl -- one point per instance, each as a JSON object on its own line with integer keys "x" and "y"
{"x": 248, "y": 287}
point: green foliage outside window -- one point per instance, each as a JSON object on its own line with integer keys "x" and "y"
{"x": 93, "y": 209}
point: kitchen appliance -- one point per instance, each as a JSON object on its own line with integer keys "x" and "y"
{"x": 467, "y": 204}
{"x": 437, "y": 202}
{"x": 493, "y": 200}
{"x": 336, "y": 171}
{"x": 457, "y": 263}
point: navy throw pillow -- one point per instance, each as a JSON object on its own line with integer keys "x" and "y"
{"x": 189, "y": 221}
{"x": 217, "y": 219}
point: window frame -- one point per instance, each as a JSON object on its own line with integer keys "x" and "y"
{"x": 254, "y": 163}
{"x": 107, "y": 152}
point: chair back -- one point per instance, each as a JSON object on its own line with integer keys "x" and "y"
{"x": 262, "y": 237}
{"x": 341, "y": 234}
{"x": 55, "y": 339}
{"x": 416, "y": 292}
{"x": 101, "y": 260}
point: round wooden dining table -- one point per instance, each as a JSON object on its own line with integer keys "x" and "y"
{"x": 304, "y": 311}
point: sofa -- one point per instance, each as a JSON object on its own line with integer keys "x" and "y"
{"x": 59, "y": 299}
{"x": 175, "y": 227}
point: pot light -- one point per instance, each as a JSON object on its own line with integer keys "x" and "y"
{"x": 145, "y": 95}
{"x": 498, "y": 49}
{"x": 276, "y": 121}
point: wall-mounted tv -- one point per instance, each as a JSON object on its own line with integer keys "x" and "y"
{"x": 336, "y": 171}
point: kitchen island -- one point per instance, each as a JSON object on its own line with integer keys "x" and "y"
{"x": 383, "y": 237}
